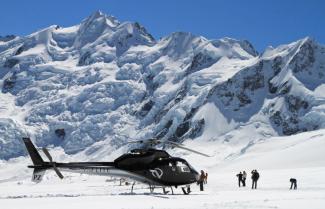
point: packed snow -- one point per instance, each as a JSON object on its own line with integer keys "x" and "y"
{"x": 277, "y": 160}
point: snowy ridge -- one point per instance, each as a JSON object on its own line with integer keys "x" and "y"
{"x": 107, "y": 82}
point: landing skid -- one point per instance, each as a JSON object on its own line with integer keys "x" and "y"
{"x": 151, "y": 188}
{"x": 186, "y": 190}
{"x": 166, "y": 192}
{"x": 132, "y": 187}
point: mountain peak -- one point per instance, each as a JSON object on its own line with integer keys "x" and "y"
{"x": 229, "y": 42}
{"x": 99, "y": 15}
{"x": 93, "y": 26}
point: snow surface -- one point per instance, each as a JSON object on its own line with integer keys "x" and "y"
{"x": 277, "y": 159}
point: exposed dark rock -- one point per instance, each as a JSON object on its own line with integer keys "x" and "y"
{"x": 272, "y": 88}
{"x": 303, "y": 60}
{"x": 19, "y": 50}
{"x": 276, "y": 66}
{"x": 239, "y": 86}
{"x": 290, "y": 124}
{"x": 249, "y": 48}
{"x": 9, "y": 83}
{"x": 180, "y": 94}
{"x": 190, "y": 114}
{"x": 182, "y": 129}
{"x": 255, "y": 81}
{"x": 146, "y": 108}
{"x": 199, "y": 62}
{"x": 7, "y": 38}
{"x": 164, "y": 131}
{"x": 296, "y": 103}
{"x": 276, "y": 118}
{"x": 84, "y": 59}
{"x": 60, "y": 133}
{"x": 197, "y": 129}
{"x": 244, "y": 99}
{"x": 161, "y": 114}
{"x": 11, "y": 62}
{"x": 143, "y": 30}
{"x": 285, "y": 88}
{"x": 290, "y": 127}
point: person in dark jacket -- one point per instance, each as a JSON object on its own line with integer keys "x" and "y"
{"x": 293, "y": 183}
{"x": 255, "y": 177}
{"x": 240, "y": 178}
{"x": 201, "y": 180}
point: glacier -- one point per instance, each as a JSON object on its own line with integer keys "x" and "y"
{"x": 107, "y": 82}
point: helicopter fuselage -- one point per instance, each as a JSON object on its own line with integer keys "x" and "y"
{"x": 154, "y": 167}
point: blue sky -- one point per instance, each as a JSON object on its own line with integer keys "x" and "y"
{"x": 261, "y": 22}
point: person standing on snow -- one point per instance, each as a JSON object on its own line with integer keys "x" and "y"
{"x": 240, "y": 178}
{"x": 201, "y": 180}
{"x": 206, "y": 178}
{"x": 244, "y": 178}
{"x": 255, "y": 177}
{"x": 293, "y": 183}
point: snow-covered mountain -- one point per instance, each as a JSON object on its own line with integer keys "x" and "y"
{"x": 104, "y": 82}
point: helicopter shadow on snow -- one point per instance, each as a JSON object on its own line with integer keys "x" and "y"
{"x": 157, "y": 194}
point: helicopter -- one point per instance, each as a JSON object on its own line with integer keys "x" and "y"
{"x": 150, "y": 166}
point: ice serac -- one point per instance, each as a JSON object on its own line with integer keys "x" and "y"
{"x": 105, "y": 81}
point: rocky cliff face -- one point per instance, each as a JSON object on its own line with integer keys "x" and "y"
{"x": 103, "y": 80}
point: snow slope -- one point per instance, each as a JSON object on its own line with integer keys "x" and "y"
{"x": 103, "y": 80}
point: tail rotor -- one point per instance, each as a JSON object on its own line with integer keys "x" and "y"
{"x": 53, "y": 164}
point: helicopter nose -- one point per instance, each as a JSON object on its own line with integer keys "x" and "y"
{"x": 197, "y": 177}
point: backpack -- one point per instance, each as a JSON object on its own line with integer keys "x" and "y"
{"x": 257, "y": 175}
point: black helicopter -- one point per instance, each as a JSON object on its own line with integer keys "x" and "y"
{"x": 149, "y": 166}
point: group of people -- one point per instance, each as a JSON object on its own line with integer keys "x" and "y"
{"x": 255, "y": 176}
{"x": 203, "y": 179}
{"x": 243, "y": 175}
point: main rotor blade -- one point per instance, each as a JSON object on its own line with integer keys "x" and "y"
{"x": 133, "y": 142}
{"x": 185, "y": 148}
{"x": 148, "y": 141}
{"x": 46, "y": 152}
{"x": 57, "y": 171}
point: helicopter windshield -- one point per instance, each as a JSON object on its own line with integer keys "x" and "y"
{"x": 180, "y": 166}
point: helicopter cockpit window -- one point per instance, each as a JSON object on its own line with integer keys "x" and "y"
{"x": 172, "y": 165}
{"x": 182, "y": 167}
